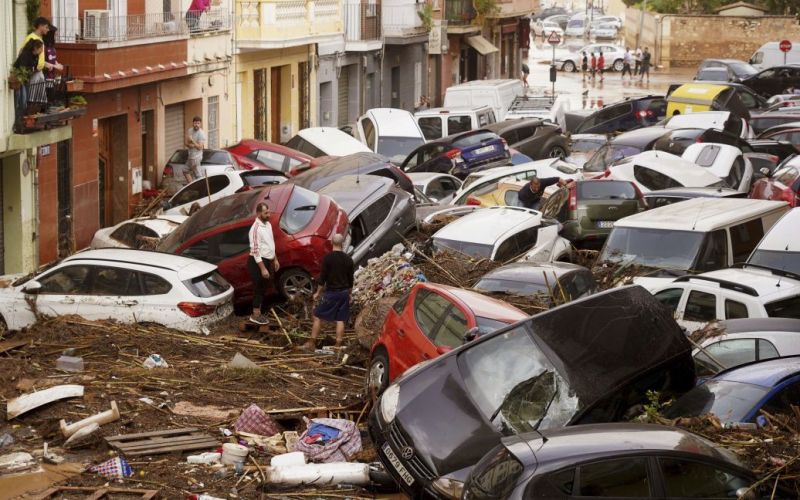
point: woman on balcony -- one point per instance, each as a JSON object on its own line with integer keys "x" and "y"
{"x": 28, "y": 59}
{"x": 196, "y": 10}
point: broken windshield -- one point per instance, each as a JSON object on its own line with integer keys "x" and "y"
{"x": 522, "y": 393}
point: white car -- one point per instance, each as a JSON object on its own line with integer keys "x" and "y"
{"x": 326, "y": 141}
{"x": 780, "y": 247}
{"x": 604, "y": 31}
{"x": 544, "y": 28}
{"x": 745, "y": 291}
{"x": 744, "y": 341}
{"x": 129, "y": 286}
{"x": 613, "y": 21}
{"x": 204, "y": 191}
{"x": 502, "y": 234}
{"x": 612, "y": 57}
{"x": 394, "y": 133}
{"x": 726, "y": 162}
{"x": 656, "y": 170}
{"x": 142, "y": 232}
{"x": 440, "y": 188}
{"x": 215, "y": 161}
{"x": 717, "y": 120}
{"x": 576, "y": 27}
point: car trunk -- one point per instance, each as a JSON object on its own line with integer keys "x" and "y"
{"x": 601, "y": 214}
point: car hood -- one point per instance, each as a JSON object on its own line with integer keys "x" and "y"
{"x": 584, "y": 340}
{"x": 652, "y": 282}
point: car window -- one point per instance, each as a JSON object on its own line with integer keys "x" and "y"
{"x": 700, "y": 306}
{"x": 199, "y": 250}
{"x": 452, "y": 330}
{"x": 787, "y": 176}
{"x": 526, "y": 239}
{"x": 553, "y": 206}
{"x": 458, "y": 124}
{"x": 583, "y": 284}
{"x": 734, "y": 177}
{"x": 708, "y": 155}
{"x": 564, "y": 481}
{"x": 525, "y": 132}
{"x": 299, "y": 211}
{"x": 379, "y": 211}
{"x": 155, "y": 285}
{"x": 625, "y": 478}
{"x": 614, "y": 112}
{"x": 270, "y": 159}
{"x": 714, "y": 253}
{"x": 786, "y": 308}
{"x": 781, "y": 403}
{"x": 429, "y": 307}
{"x": 131, "y": 234}
{"x": 485, "y": 118}
{"x": 435, "y": 189}
{"x": 474, "y": 139}
{"x": 448, "y": 185}
{"x": 400, "y": 304}
{"x": 766, "y": 350}
{"x": 507, "y": 250}
{"x": 233, "y": 242}
{"x": 369, "y": 133}
{"x": 70, "y": 280}
{"x": 653, "y": 180}
{"x": 263, "y": 177}
{"x": 190, "y": 193}
{"x": 744, "y": 238}
{"x": 207, "y": 285}
{"x": 115, "y": 281}
{"x": 606, "y": 190}
{"x": 688, "y": 479}
{"x": 730, "y": 353}
{"x": 431, "y": 127}
{"x": 735, "y": 310}
{"x": 217, "y": 183}
{"x": 510, "y": 136}
{"x": 511, "y": 198}
{"x": 670, "y": 298}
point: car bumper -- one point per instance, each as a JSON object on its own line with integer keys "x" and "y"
{"x": 203, "y": 323}
{"x": 499, "y": 161}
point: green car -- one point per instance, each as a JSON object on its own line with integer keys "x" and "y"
{"x": 588, "y": 209}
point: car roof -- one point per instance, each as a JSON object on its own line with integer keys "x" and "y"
{"x": 486, "y": 226}
{"x": 672, "y": 166}
{"x": 182, "y": 265}
{"x": 783, "y": 236}
{"x": 480, "y": 304}
{"x": 762, "y": 281}
{"x": 392, "y": 122}
{"x": 699, "y": 214}
{"x": 513, "y": 123}
{"x": 639, "y": 136}
{"x": 705, "y": 118}
{"x": 350, "y": 191}
{"x": 755, "y": 325}
{"x": 269, "y": 146}
{"x": 696, "y": 192}
{"x": 767, "y": 373}
{"x": 452, "y": 110}
{"x": 336, "y": 142}
{"x": 363, "y": 162}
{"x": 532, "y": 272}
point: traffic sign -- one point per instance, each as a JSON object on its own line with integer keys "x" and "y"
{"x": 785, "y": 46}
{"x": 554, "y": 39}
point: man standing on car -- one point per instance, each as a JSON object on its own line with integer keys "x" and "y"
{"x": 530, "y": 196}
{"x": 337, "y": 279}
{"x": 196, "y": 142}
{"x": 262, "y": 261}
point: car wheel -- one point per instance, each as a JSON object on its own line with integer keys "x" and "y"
{"x": 569, "y": 66}
{"x": 378, "y": 375}
{"x": 294, "y": 282}
{"x": 618, "y": 64}
{"x": 556, "y": 152}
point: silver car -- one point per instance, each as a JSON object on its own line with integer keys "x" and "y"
{"x": 214, "y": 161}
{"x": 612, "y": 56}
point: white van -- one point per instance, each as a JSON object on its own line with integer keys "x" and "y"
{"x": 497, "y": 94}
{"x": 325, "y": 141}
{"x": 780, "y": 248}
{"x": 543, "y": 107}
{"x": 440, "y": 122}
{"x": 769, "y": 55}
{"x": 393, "y": 133}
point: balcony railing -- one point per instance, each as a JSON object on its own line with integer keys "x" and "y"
{"x": 280, "y": 22}
{"x": 43, "y": 104}
{"x": 99, "y": 27}
{"x": 403, "y": 20}
{"x": 362, "y": 22}
{"x": 459, "y": 12}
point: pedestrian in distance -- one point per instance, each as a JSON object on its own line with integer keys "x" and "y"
{"x": 637, "y": 61}
{"x": 626, "y": 64}
{"x": 601, "y": 64}
{"x": 530, "y": 196}
{"x": 646, "y": 64}
{"x": 196, "y": 142}
{"x": 262, "y": 263}
{"x": 585, "y": 66}
{"x": 334, "y": 284}
{"x": 593, "y": 65}
{"x": 196, "y": 10}
{"x": 525, "y": 72}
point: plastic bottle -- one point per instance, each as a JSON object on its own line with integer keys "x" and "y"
{"x": 202, "y": 497}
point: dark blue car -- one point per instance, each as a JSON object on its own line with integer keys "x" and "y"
{"x": 739, "y": 394}
{"x": 460, "y": 154}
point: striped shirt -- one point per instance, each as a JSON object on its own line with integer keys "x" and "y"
{"x": 262, "y": 245}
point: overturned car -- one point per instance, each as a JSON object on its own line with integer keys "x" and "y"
{"x": 592, "y": 360}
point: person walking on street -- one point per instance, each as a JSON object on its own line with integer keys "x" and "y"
{"x": 585, "y": 66}
{"x": 626, "y": 63}
{"x": 262, "y": 262}
{"x": 525, "y": 72}
{"x": 646, "y": 64}
{"x": 593, "y": 65}
{"x": 196, "y": 10}
{"x": 601, "y": 64}
{"x": 637, "y": 61}
{"x": 336, "y": 279}
{"x": 196, "y": 142}
{"x": 530, "y": 196}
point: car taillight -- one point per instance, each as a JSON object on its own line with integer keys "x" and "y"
{"x": 505, "y": 144}
{"x": 789, "y": 197}
{"x": 453, "y": 153}
{"x": 699, "y": 139}
{"x": 167, "y": 171}
{"x": 607, "y": 172}
{"x": 774, "y": 159}
{"x": 196, "y": 309}
{"x": 244, "y": 188}
{"x": 573, "y": 197}
{"x": 644, "y": 114}
{"x": 474, "y": 202}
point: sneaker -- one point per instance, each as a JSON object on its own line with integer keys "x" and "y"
{"x": 261, "y": 320}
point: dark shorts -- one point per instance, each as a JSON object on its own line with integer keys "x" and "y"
{"x": 335, "y": 306}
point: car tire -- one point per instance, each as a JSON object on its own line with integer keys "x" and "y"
{"x": 378, "y": 374}
{"x": 569, "y": 67}
{"x": 556, "y": 151}
{"x": 294, "y": 281}
{"x": 618, "y": 64}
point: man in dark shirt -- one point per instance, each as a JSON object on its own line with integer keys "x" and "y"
{"x": 530, "y": 196}
{"x": 337, "y": 279}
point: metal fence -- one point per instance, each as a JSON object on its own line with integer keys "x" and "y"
{"x": 37, "y": 97}
{"x": 99, "y": 26}
{"x": 459, "y": 12}
{"x": 362, "y": 21}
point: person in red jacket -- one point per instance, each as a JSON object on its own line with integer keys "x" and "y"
{"x": 593, "y": 65}
{"x": 601, "y": 63}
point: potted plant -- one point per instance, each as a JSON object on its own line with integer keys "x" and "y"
{"x": 18, "y": 77}
{"x": 77, "y": 101}
{"x": 74, "y": 85}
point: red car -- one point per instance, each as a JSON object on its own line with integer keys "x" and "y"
{"x": 783, "y": 185}
{"x": 303, "y": 223}
{"x": 269, "y": 155}
{"x": 429, "y": 321}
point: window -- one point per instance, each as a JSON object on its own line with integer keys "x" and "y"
{"x": 217, "y": 183}
{"x": 787, "y": 176}
{"x": 299, "y": 211}
{"x": 428, "y": 310}
{"x": 369, "y": 133}
{"x": 233, "y": 242}
{"x": 525, "y": 132}
{"x": 708, "y": 156}
{"x": 583, "y": 284}
{"x": 686, "y": 479}
{"x": 510, "y": 136}
{"x": 734, "y": 177}
{"x": 730, "y": 353}
{"x": 486, "y": 118}
{"x": 379, "y": 211}
{"x": 653, "y": 180}
{"x": 458, "y": 124}
{"x": 271, "y": 159}
{"x": 613, "y": 112}
{"x": 400, "y": 305}
{"x": 213, "y": 122}
{"x": 554, "y": 206}
{"x": 155, "y": 285}
{"x": 786, "y": 308}
{"x": 701, "y": 306}
{"x": 67, "y": 280}
{"x": 744, "y": 238}
{"x": 190, "y": 193}
{"x": 564, "y": 481}
{"x": 735, "y": 310}
{"x": 767, "y": 351}
{"x": 115, "y": 281}
{"x": 526, "y": 239}
{"x": 431, "y": 127}
{"x": 511, "y": 198}
{"x": 452, "y": 330}
{"x": 714, "y": 253}
{"x": 132, "y": 234}
{"x": 626, "y": 478}
{"x": 198, "y": 251}
{"x": 670, "y": 298}
{"x": 207, "y": 285}
{"x": 448, "y": 186}
{"x": 781, "y": 403}
{"x": 507, "y": 250}
{"x": 435, "y": 189}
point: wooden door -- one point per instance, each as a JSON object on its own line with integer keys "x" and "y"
{"x": 275, "y": 102}
{"x": 105, "y": 174}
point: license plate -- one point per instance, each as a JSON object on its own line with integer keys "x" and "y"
{"x": 605, "y": 224}
{"x": 487, "y": 149}
{"x": 408, "y": 478}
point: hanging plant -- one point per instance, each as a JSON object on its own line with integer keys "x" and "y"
{"x": 18, "y": 77}
{"x": 426, "y": 15}
{"x": 33, "y": 10}
{"x": 485, "y": 11}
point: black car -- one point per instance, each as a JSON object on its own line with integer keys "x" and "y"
{"x": 780, "y": 150}
{"x": 669, "y": 196}
{"x": 624, "y": 145}
{"x": 552, "y": 11}
{"x": 545, "y": 279}
{"x": 737, "y": 69}
{"x": 766, "y": 121}
{"x": 612, "y": 461}
{"x": 535, "y": 138}
{"x": 355, "y": 164}
{"x": 714, "y": 75}
{"x": 460, "y": 154}
{"x": 592, "y": 360}
{"x": 676, "y": 141}
{"x": 628, "y": 114}
{"x": 775, "y": 80}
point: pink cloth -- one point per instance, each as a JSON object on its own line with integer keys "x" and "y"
{"x": 255, "y": 421}
{"x": 200, "y": 5}
{"x": 339, "y": 449}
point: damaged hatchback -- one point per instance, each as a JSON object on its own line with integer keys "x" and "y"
{"x": 592, "y": 360}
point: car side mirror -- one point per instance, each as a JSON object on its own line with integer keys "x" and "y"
{"x": 471, "y": 334}
{"x": 443, "y": 349}
{"x": 32, "y": 287}
{"x": 746, "y": 494}
{"x": 349, "y": 250}
{"x": 765, "y": 171}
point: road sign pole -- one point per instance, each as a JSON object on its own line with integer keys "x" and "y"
{"x": 552, "y": 71}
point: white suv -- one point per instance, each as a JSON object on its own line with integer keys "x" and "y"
{"x": 743, "y": 291}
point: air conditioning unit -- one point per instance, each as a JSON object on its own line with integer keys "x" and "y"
{"x": 96, "y": 25}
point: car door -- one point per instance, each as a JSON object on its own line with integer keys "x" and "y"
{"x": 700, "y": 308}
{"x": 159, "y": 305}
{"x": 684, "y": 478}
{"x": 115, "y": 293}
{"x": 416, "y": 327}
{"x": 61, "y": 292}
{"x": 381, "y": 234}
{"x": 628, "y": 477}
{"x": 670, "y": 298}
{"x": 450, "y": 332}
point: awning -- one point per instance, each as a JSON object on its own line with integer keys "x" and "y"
{"x": 481, "y": 44}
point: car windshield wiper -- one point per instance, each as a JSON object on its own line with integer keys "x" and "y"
{"x": 306, "y": 207}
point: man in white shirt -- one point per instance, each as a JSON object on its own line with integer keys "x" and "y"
{"x": 262, "y": 260}
{"x": 637, "y": 61}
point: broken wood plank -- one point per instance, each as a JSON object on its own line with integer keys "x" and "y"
{"x": 151, "y": 434}
{"x": 157, "y": 442}
{"x": 28, "y": 402}
{"x": 98, "y": 493}
{"x": 298, "y": 410}
{"x": 8, "y": 345}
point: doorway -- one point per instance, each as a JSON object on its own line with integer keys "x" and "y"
{"x": 260, "y": 104}
{"x": 396, "y": 87}
{"x": 149, "y": 147}
{"x": 468, "y": 64}
{"x": 275, "y": 104}
{"x": 64, "y": 195}
{"x": 112, "y": 175}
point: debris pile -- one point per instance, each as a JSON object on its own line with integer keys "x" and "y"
{"x": 389, "y": 275}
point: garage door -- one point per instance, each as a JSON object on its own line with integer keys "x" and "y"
{"x": 344, "y": 89}
{"x": 175, "y": 129}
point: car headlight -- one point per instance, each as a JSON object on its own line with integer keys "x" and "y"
{"x": 389, "y": 400}
{"x": 449, "y": 488}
